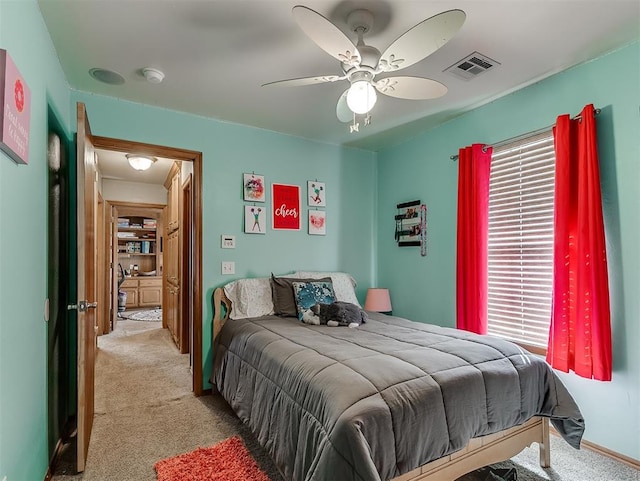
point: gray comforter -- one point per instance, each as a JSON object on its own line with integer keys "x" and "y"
{"x": 374, "y": 402}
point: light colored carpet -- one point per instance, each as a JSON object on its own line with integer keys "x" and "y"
{"x": 145, "y": 412}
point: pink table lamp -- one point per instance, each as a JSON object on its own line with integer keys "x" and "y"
{"x": 378, "y": 300}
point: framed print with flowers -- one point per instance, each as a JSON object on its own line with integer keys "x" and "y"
{"x": 253, "y": 187}
{"x": 317, "y": 222}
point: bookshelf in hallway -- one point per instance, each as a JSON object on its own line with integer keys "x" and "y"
{"x": 139, "y": 252}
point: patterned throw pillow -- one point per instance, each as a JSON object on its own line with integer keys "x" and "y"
{"x": 284, "y": 304}
{"x": 343, "y": 284}
{"x": 308, "y": 294}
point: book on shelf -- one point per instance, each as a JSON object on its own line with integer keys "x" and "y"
{"x": 150, "y": 223}
{"x": 133, "y": 247}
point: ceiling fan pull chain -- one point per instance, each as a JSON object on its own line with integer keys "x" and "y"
{"x": 355, "y": 126}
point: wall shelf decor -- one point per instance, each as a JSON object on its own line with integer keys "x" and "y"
{"x": 411, "y": 225}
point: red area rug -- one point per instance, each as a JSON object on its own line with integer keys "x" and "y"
{"x": 228, "y": 460}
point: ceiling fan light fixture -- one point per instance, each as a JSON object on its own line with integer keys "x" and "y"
{"x": 361, "y": 97}
{"x": 140, "y": 162}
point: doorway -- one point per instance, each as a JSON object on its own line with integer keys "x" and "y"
{"x": 61, "y": 332}
{"x": 84, "y": 252}
{"x": 191, "y": 253}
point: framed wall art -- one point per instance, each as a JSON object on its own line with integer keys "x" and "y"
{"x": 316, "y": 194}
{"x": 255, "y": 219}
{"x": 253, "y": 187}
{"x": 408, "y": 224}
{"x": 15, "y": 115}
{"x": 317, "y": 222}
{"x": 285, "y": 211}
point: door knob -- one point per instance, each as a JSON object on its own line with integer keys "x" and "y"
{"x": 82, "y": 306}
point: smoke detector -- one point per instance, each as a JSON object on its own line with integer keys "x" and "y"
{"x": 153, "y": 75}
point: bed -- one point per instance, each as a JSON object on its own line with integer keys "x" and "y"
{"x": 390, "y": 400}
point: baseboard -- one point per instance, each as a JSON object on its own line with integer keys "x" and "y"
{"x": 621, "y": 458}
{"x": 633, "y": 463}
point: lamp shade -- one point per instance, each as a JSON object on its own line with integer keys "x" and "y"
{"x": 378, "y": 300}
{"x": 361, "y": 97}
{"x": 140, "y": 162}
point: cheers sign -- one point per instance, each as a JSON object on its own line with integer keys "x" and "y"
{"x": 286, "y": 206}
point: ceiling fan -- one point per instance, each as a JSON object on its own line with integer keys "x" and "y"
{"x": 361, "y": 63}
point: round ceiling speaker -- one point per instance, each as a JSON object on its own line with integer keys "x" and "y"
{"x": 106, "y": 76}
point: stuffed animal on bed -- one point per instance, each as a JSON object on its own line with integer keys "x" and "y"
{"x": 338, "y": 313}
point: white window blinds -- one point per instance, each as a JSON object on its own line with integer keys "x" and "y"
{"x": 521, "y": 193}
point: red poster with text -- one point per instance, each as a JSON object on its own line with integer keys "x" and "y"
{"x": 286, "y": 206}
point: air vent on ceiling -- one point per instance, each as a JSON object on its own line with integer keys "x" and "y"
{"x": 471, "y": 66}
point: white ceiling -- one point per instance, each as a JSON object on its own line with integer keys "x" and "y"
{"x": 115, "y": 166}
{"x": 216, "y": 54}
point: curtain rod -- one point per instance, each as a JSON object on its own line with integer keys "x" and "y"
{"x": 524, "y": 136}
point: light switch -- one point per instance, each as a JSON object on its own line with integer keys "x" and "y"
{"x": 228, "y": 268}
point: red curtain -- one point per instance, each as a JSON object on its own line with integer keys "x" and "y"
{"x": 580, "y": 331}
{"x": 474, "y": 166}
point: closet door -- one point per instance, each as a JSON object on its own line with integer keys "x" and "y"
{"x": 173, "y": 285}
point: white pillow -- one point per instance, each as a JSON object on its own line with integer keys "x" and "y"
{"x": 343, "y": 284}
{"x": 250, "y": 298}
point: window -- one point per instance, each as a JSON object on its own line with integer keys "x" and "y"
{"x": 521, "y": 193}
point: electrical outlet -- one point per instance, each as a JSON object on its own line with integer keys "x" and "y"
{"x": 228, "y": 268}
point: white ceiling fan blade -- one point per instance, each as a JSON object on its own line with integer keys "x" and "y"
{"x": 342, "y": 109}
{"x": 328, "y": 37}
{"x": 413, "y": 88}
{"x": 299, "y": 82}
{"x": 421, "y": 40}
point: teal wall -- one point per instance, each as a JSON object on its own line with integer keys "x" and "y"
{"x": 228, "y": 151}
{"x": 23, "y": 250}
{"x": 424, "y": 288}
{"x": 360, "y": 210}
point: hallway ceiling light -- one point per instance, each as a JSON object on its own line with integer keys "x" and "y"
{"x": 140, "y": 162}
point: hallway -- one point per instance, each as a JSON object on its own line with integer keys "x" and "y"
{"x": 145, "y": 410}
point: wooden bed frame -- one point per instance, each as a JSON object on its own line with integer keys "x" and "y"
{"x": 480, "y": 451}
